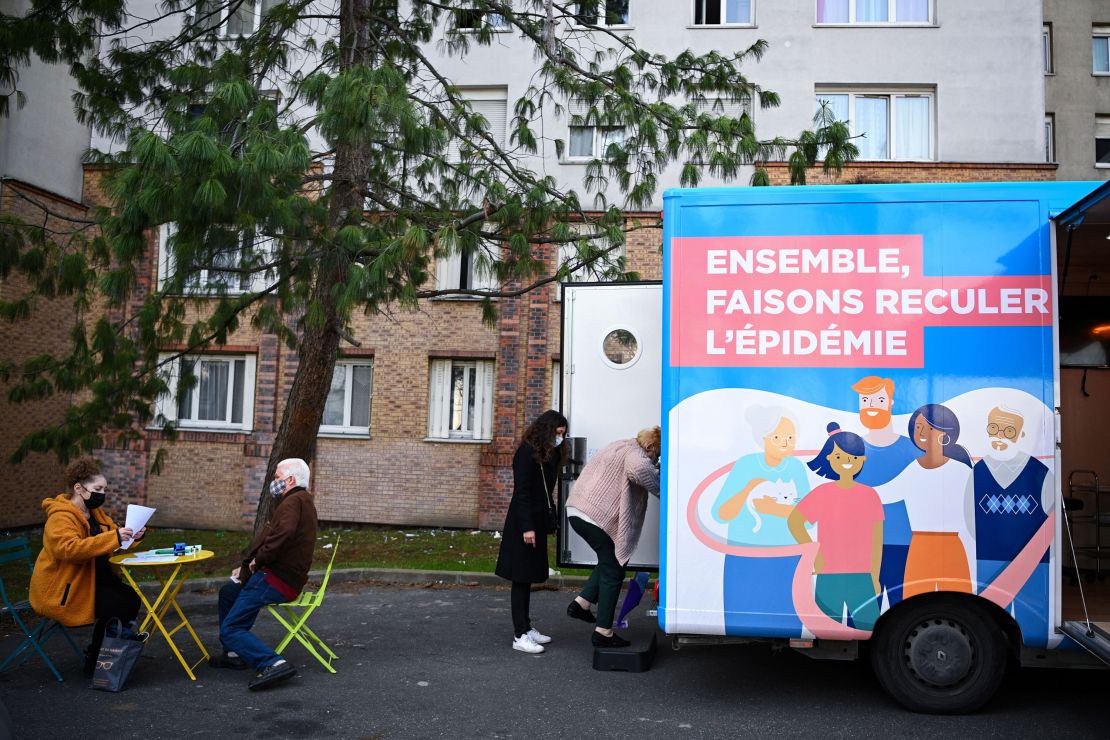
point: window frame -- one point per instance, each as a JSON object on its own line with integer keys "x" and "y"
{"x": 346, "y": 429}
{"x": 221, "y": 27}
{"x": 891, "y": 95}
{"x": 166, "y": 406}
{"x": 602, "y": 17}
{"x": 1047, "y": 49}
{"x": 575, "y": 109}
{"x": 503, "y": 27}
{"x": 1101, "y": 120}
{"x": 892, "y": 12}
{"x": 750, "y": 23}
{"x": 569, "y": 250}
{"x": 1100, "y": 32}
{"x": 441, "y": 391}
{"x": 167, "y": 267}
{"x": 1050, "y": 137}
{"x": 449, "y": 269}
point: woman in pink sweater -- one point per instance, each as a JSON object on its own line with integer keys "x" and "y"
{"x": 606, "y": 508}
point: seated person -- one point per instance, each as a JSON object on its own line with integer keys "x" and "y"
{"x": 274, "y": 571}
{"x": 72, "y": 583}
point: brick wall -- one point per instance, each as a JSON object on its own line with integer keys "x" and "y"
{"x": 46, "y": 331}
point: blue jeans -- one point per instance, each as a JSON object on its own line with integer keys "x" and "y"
{"x": 239, "y": 606}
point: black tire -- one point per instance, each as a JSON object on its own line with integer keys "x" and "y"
{"x": 940, "y": 655}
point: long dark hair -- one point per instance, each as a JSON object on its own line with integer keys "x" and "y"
{"x": 848, "y": 442}
{"x": 942, "y": 418}
{"x": 540, "y": 436}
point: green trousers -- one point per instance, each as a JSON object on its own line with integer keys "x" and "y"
{"x": 604, "y": 584}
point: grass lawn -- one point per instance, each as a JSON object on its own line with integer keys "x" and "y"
{"x": 359, "y": 547}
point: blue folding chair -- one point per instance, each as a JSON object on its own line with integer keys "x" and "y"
{"x": 34, "y": 639}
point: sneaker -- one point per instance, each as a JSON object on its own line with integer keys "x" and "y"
{"x": 525, "y": 644}
{"x": 272, "y": 674}
{"x": 228, "y": 660}
{"x": 577, "y": 612}
{"x": 613, "y": 641}
{"x": 538, "y": 637}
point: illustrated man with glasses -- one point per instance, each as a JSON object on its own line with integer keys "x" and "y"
{"x": 1012, "y": 495}
{"x": 274, "y": 571}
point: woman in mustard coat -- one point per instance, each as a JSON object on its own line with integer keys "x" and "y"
{"x": 72, "y": 583}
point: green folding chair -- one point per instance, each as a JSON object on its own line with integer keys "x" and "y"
{"x": 296, "y": 614}
{"x": 34, "y": 638}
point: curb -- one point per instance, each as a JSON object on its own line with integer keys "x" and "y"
{"x": 394, "y": 576}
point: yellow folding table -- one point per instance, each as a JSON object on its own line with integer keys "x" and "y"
{"x": 178, "y": 567}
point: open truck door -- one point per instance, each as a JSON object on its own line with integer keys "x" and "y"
{"x": 611, "y": 360}
{"x": 1083, "y": 357}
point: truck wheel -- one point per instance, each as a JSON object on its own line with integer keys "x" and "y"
{"x": 943, "y": 656}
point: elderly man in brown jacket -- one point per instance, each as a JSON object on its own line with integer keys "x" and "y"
{"x": 274, "y": 571}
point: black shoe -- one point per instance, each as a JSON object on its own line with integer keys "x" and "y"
{"x": 613, "y": 641}
{"x": 271, "y": 675}
{"x": 234, "y": 662}
{"x": 577, "y": 612}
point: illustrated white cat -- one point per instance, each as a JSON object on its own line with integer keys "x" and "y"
{"x": 783, "y": 492}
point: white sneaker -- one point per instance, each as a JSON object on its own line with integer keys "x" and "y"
{"x": 538, "y": 637}
{"x": 525, "y": 644}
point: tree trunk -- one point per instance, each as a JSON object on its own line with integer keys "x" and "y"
{"x": 319, "y": 345}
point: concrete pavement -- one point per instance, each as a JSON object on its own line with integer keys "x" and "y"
{"x": 419, "y": 662}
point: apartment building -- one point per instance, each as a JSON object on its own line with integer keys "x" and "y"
{"x": 1076, "y": 59}
{"x": 424, "y": 414}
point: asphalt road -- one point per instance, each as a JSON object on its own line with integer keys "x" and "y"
{"x": 437, "y": 663}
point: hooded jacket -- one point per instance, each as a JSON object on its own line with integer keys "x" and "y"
{"x": 63, "y": 584}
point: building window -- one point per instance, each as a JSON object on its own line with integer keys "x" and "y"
{"x": 468, "y": 270}
{"x": 219, "y": 396}
{"x": 557, "y": 385}
{"x": 723, "y": 12}
{"x": 568, "y": 254}
{"x": 1100, "y": 50}
{"x": 473, "y": 20}
{"x": 232, "y": 268}
{"x": 602, "y": 13}
{"x": 1050, "y": 137}
{"x": 875, "y": 12}
{"x": 890, "y": 125}
{"x": 231, "y": 19}
{"x": 347, "y": 410}
{"x": 492, "y": 104}
{"x": 590, "y": 136}
{"x": 1102, "y": 141}
{"x": 1046, "y": 50}
{"x": 460, "y": 400}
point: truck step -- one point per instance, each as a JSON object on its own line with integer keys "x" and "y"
{"x": 636, "y": 658}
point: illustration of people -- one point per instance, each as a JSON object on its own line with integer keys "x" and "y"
{"x": 849, "y": 519}
{"x": 888, "y": 453}
{"x": 933, "y": 487}
{"x": 758, "y": 495}
{"x": 1009, "y": 498}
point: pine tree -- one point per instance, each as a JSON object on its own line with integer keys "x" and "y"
{"x": 408, "y": 169}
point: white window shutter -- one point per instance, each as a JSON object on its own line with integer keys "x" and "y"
{"x": 1102, "y": 127}
{"x": 439, "y": 392}
{"x": 165, "y": 258}
{"x": 248, "y": 392}
{"x": 265, "y": 252}
{"x": 483, "y": 400}
{"x": 166, "y": 404}
{"x": 448, "y": 271}
{"x": 482, "y": 274}
{"x": 492, "y": 103}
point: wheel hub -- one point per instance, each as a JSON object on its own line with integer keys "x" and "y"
{"x": 940, "y": 652}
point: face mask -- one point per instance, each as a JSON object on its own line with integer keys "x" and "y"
{"x": 277, "y": 487}
{"x": 95, "y": 499}
{"x": 558, "y": 439}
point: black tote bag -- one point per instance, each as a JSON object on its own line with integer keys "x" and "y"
{"x": 119, "y": 653}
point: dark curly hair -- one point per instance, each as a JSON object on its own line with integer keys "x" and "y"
{"x": 81, "y": 470}
{"x": 541, "y": 432}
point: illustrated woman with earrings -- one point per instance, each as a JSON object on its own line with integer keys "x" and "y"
{"x": 849, "y": 518}
{"x": 72, "y": 582}
{"x": 934, "y": 487}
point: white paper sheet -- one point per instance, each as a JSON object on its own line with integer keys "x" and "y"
{"x": 137, "y": 517}
{"x": 143, "y": 560}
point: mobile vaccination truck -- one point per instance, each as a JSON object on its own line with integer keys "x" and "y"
{"x": 875, "y": 401}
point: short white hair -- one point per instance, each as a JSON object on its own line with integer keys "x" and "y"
{"x": 297, "y": 468}
{"x": 765, "y": 419}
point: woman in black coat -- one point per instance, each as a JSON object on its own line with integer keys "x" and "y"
{"x": 523, "y": 555}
